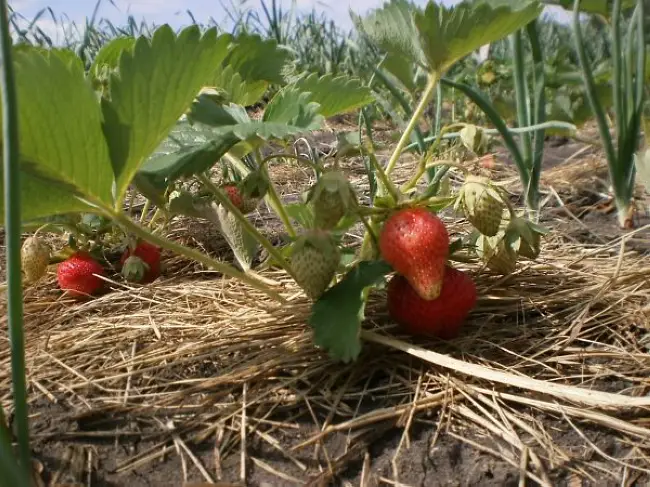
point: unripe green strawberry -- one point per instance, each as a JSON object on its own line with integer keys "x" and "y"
{"x": 314, "y": 260}
{"x": 415, "y": 242}
{"x": 332, "y": 197}
{"x": 482, "y": 204}
{"x": 497, "y": 254}
{"x": 35, "y": 257}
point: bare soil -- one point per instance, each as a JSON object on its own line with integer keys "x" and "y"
{"x": 431, "y": 454}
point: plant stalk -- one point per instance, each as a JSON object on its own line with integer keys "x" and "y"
{"x": 13, "y": 226}
{"x": 263, "y": 241}
{"x": 195, "y": 255}
{"x": 523, "y": 111}
{"x": 272, "y": 198}
{"x": 415, "y": 118}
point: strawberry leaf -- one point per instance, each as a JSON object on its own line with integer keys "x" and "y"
{"x": 336, "y": 317}
{"x": 448, "y": 34}
{"x": 335, "y": 95}
{"x": 108, "y": 56}
{"x": 156, "y": 81}
{"x": 217, "y": 129}
{"x": 439, "y": 36}
{"x": 64, "y": 158}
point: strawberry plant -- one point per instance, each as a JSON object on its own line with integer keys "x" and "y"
{"x": 157, "y": 115}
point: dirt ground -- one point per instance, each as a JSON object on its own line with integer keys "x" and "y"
{"x": 435, "y": 454}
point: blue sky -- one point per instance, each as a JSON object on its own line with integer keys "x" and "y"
{"x": 174, "y": 11}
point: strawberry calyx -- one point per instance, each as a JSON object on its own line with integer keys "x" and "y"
{"x": 134, "y": 269}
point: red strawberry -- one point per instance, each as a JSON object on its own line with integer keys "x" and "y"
{"x": 441, "y": 317}
{"x": 233, "y": 194}
{"x": 415, "y": 242}
{"x": 76, "y": 275}
{"x": 143, "y": 264}
{"x": 241, "y": 201}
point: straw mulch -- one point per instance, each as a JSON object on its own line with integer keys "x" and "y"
{"x": 556, "y": 347}
{"x": 551, "y": 374}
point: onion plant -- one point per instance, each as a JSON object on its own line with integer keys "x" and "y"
{"x": 628, "y": 93}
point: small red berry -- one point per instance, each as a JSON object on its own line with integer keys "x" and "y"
{"x": 143, "y": 264}
{"x": 415, "y": 242}
{"x": 78, "y": 275}
{"x": 441, "y": 317}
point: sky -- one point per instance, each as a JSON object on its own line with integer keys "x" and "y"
{"x": 174, "y": 12}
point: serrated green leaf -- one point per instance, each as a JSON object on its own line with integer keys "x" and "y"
{"x": 189, "y": 150}
{"x": 155, "y": 84}
{"x": 63, "y": 154}
{"x": 217, "y": 129}
{"x": 448, "y": 34}
{"x": 109, "y": 55}
{"x": 336, "y": 317}
{"x": 392, "y": 29}
{"x": 66, "y": 55}
{"x": 335, "y": 95}
{"x": 439, "y": 36}
{"x": 257, "y": 59}
{"x": 237, "y": 90}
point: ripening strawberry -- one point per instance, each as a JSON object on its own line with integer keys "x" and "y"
{"x": 441, "y": 317}
{"x": 314, "y": 260}
{"x": 78, "y": 275}
{"x": 415, "y": 242}
{"x": 141, "y": 264}
{"x": 35, "y": 257}
{"x": 242, "y": 203}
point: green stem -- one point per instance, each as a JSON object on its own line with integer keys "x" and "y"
{"x": 278, "y": 206}
{"x": 551, "y": 124}
{"x": 590, "y": 87}
{"x": 523, "y": 112}
{"x": 272, "y": 198}
{"x": 539, "y": 81}
{"x": 154, "y": 218}
{"x": 13, "y": 226}
{"x": 248, "y": 226}
{"x": 617, "y": 71}
{"x": 145, "y": 210}
{"x": 192, "y": 254}
{"x": 417, "y": 113}
{"x": 423, "y": 167}
{"x": 383, "y": 176}
{"x": 12, "y": 475}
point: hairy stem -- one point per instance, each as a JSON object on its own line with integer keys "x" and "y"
{"x": 248, "y": 226}
{"x": 415, "y": 118}
{"x": 195, "y": 255}
{"x": 272, "y": 198}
